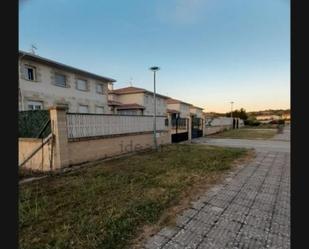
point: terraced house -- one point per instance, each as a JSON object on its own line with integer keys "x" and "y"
{"x": 44, "y": 83}
{"x": 186, "y": 119}
{"x": 135, "y": 101}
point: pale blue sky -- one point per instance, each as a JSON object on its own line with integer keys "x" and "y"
{"x": 210, "y": 52}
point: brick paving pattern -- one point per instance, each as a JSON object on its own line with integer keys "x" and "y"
{"x": 250, "y": 209}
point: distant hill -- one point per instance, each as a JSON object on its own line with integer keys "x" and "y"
{"x": 215, "y": 114}
{"x": 278, "y": 112}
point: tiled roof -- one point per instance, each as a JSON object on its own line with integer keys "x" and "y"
{"x": 176, "y": 101}
{"x": 113, "y": 102}
{"x": 55, "y": 64}
{"x": 172, "y": 111}
{"x": 131, "y": 89}
{"x": 196, "y": 107}
{"x": 130, "y": 106}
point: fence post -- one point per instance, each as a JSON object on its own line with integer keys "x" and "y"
{"x": 59, "y": 130}
{"x": 190, "y": 128}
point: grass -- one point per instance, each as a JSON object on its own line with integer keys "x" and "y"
{"x": 107, "y": 205}
{"x": 24, "y": 173}
{"x": 246, "y": 133}
{"x": 262, "y": 126}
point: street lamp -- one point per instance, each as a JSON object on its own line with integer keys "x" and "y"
{"x": 154, "y": 69}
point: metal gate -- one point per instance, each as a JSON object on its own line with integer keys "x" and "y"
{"x": 197, "y": 127}
{"x": 180, "y": 130}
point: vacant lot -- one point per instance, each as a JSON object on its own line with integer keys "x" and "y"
{"x": 107, "y": 205}
{"x": 247, "y": 133}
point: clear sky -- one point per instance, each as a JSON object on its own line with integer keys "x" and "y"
{"x": 210, "y": 52}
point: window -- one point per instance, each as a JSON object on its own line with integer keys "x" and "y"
{"x": 99, "y": 109}
{"x": 60, "y": 79}
{"x": 35, "y": 105}
{"x": 83, "y": 109}
{"x": 99, "y": 88}
{"x": 30, "y": 73}
{"x": 146, "y": 99}
{"x": 81, "y": 85}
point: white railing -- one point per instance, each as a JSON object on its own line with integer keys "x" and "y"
{"x": 92, "y": 125}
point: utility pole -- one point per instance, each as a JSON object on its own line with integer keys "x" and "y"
{"x": 232, "y": 112}
{"x": 154, "y": 69}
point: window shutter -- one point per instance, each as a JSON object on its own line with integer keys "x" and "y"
{"x": 38, "y": 74}
{"x": 52, "y": 76}
{"x": 104, "y": 89}
{"x": 87, "y": 85}
{"x": 23, "y": 72}
{"x": 68, "y": 81}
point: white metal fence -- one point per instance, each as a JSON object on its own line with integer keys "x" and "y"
{"x": 91, "y": 125}
{"x": 219, "y": 121}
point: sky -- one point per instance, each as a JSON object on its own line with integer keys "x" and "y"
{"x": 210, "y": 52}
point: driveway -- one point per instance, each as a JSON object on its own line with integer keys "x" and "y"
{"x": 250, "y": 209}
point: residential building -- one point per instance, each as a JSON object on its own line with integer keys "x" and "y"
{"x": 196, "y": 112}
{"x": 135, "y": 101}
{"x": 44, "y": 83}
{"x": 267, "y": 117}
{"x": 175, "y": 106}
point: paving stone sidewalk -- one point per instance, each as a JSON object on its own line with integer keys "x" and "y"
{"x": 250, "y": 209}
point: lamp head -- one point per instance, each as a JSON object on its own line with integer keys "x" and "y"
{"x": 154, "y": 68}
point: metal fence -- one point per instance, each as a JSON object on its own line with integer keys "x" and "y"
{"x": 180, "y": 123}
{"x": 93, "y": 125}
{"x": 34, "y": 124}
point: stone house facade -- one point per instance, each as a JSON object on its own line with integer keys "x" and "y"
{"x": 44, "y": 83}
{"x": 136, "y": 101}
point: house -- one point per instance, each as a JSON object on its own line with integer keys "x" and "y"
{"x": 135, "y": 101}
{"x": 286, "y": 116}
{"x": 196, "y": 112}
{"x": 267, "y": 117}
{"x": 44, "y": 83}
{"x": 187, "y": 120}
{"x": 175, "y": 106}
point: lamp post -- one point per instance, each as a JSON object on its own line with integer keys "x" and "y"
{"x": 232, "y": 112}
{"x": 154, "y": 69}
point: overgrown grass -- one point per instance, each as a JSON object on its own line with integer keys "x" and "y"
{"x": 247, "y": 133}
{"x": 262, "y": 126}
{"x": 28, "y": 173}
{"x": 106, "y": 205}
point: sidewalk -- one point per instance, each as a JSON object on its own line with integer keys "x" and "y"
{"x": 251, "y": 209}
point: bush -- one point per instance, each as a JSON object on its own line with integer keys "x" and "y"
{"x": 251, "y": 122}
{"x": 279, "y": 122}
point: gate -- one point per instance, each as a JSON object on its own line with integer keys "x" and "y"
{"x": 180, "y": 129}
{"x": 197, "y": 127}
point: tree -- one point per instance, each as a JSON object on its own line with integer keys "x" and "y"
{"x": 242, "y": 114}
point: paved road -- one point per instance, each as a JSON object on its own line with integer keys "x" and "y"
{"x": 250, "y": 209}
{"x": 280, "y": 142}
